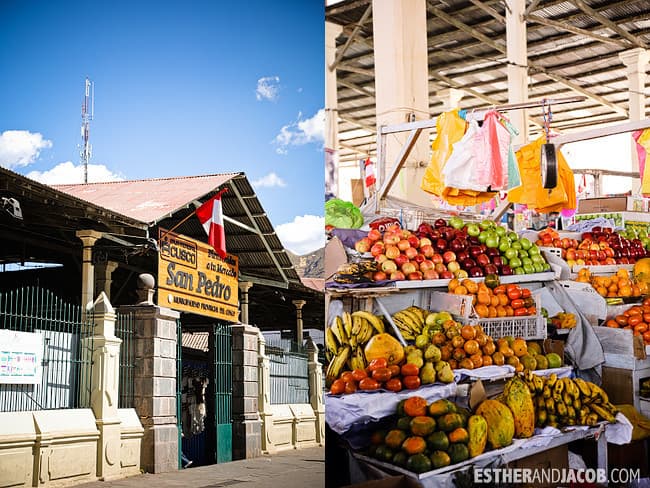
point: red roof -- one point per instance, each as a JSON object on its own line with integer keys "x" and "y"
{"x": 147, "y": 200}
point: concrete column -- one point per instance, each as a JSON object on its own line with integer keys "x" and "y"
{"x": 155, "y": 384}
{"x": 316, "y": 390}
{"x": 105, "y": 277}
{"x": 450, "y": 97}
{"x": 636, "y": 61}
{"x": 246, "y": 425}
{"x": 402, "y": 89}
{"x": 104, "y": 385}
{"x": 244, "y": 286}
{"x": 299, "y": 304}
{"x": 264, "y": 395}
{"x": 88, "y": 237}
{"x": 517, "y": 54}
{"x": 332, "y": 31}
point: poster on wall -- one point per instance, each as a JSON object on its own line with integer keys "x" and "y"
{"x": 192, "y": 277}
{"x": 21, "y": 357}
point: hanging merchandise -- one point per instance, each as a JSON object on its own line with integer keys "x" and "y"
{"x": 492, "y": 149}
{"x": 643, "y": 140}
{"x": 462, "y": 167}
{"x": 531, "y": 192}
{"x": 450, "y": 127}
{"x": 369, "y": 168}
{"x": 514, "y": 178}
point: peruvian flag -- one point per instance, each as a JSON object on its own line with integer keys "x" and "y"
{"x": 211, "y": 217}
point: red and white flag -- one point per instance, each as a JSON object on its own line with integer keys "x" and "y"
{"x": 211, "y": 217}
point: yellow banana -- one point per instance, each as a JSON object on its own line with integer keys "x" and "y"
{"x": 366, "y": 331}
{"x": 356, "y": 325}
{"x": 602, "y": 412}
{"x": 420, "y": 312}
{"x": 339, "y": 331}
{"x": 557, "y": 391}
{"x": 335, "y": 366}
{"x": 374, "y": 320}
{"x": 583, "y": 386}
{"x": 407, "y": 320}
{"x": 539, "y": 384}
{"x": 561, "y": 409}
{"x": 347, "y": 323}
{"x": 551, "y": 380}
{"x": 331, "y": 343}
{"x": 592, "y": 419}
{"x": 598, "y": 392}
{"x": 550, "y": 405}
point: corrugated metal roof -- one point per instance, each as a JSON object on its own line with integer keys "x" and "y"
{"x": 196, "y": 340}
{"x": 147, "y": 200}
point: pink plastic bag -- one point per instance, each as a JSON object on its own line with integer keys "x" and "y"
{"x": 492, "y": 150}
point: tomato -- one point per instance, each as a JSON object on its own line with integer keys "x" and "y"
{"x": 516, "y": 304}
{"x": 409, "y": 369}
{"x": 633, "y": 320}
{"x": 394, "y": 384}
{"x": 646, "y": 337}
{"x": 347, "y": 376}
{"x": 351, "y": 387}
{"x": 525, "y": 293}
{"x": 641, "y": 328}
{"x": 514, "y": 294}
{"x": 521, "y": 311}
{"x": 394, "y": 370}
{"x": 377, "y": 363}
{"x": 532, "y": 311}
{"x": 412, "y": 382}
{"x": 499, "y": 290}
{"x": 368, "y": 384}
{"x": 612, "y": 323}
{"x": 511, "y": 287}
{"x": 381, "y": 374}
{"x": 621, "y": 320}
{"x": 646, "y": 317}
{"x": 338, "y": 387}
{"x": 359, "y": 374}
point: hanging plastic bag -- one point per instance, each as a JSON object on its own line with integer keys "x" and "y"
{"x": 514, "y": 178}
{"x": 492, "y": 149}
{"x": 461, "y": 168}
{"x": 644, "y": 141}
{"x": 450, "y": 127}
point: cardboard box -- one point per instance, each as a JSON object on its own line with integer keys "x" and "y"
{"x": 552, "y": 345}
{"x": 557, "y": 458}
{"x": 401, "y": 481}
{"x": 357, "y": 191}
{"x": 608, "y": 204}
{"x": 619, "y": 385}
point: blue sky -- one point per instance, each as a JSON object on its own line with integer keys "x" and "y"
{"x": 181, "y": 88}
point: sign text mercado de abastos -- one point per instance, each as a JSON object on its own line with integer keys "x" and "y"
{"x": 192, "y": 277}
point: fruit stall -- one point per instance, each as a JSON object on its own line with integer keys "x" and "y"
{"x": 474, "y": 322}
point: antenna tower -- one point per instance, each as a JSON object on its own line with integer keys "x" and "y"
{"x": 87, "y": 114}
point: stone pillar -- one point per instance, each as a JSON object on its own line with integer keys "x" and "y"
{"x": 316, "y": 390}
{"x": 105, "y": 277}
{"x": 299, "y": 304}
{"x": 402, "y": 89}
{"x": 246, "y": 425}
{"x": 104, "y": 385}
{"x": 517, "y": 54}
{"x": 155, "y": 383}
{"x": 332, "y": 31}
{"x": 264, "y": 395}
{"x": 88, "y": 237}
{"x": 244, "y": 286}
{"x": 636, "y": 61}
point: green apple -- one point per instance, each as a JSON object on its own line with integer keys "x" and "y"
{"x": 523, "y": 254}
{"x": 514, "y": 262}
{"x": 501, "y": 231}
{"x": 515, "y": 245}
{"x": 487, "y": 224}
{"x": 547, "y": 267}
{"x": 510, "y": 253}
{"x": 473, "y": 230}
{"x": 528, "y": 268}
{"x": 504, "y": 244}
{"x": 492, "y": 241}
{"x": 518, "y": 271}
{"x": 526, "y": 261}
{"x": 533, "y": 250}
{"x": 539, "y": 267}
{"x": 537, "y": 258}
{"x": 456, "y": 222}
{"x": 525, "y": 243}
{"x": 482, "y": 237}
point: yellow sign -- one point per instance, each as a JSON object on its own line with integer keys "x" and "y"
{"x": 193, "y": 278}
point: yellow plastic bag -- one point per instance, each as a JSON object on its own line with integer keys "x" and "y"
{"x": 644, "y": 141}
{"x": 450, "y": 127}
{"x": 640, "y": 423}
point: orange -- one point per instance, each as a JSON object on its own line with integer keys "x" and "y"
{"x": 487, "y": 360}
{"x": 472, "y": 286}
{"x": 477, "y": 360}
{"x": 501, "y": 311}
{"x": 503, "y": 299}
{"x": 453, "y": 284}
{"x": 492, "y": 312}
{"x": 494, "y": 300}
{"x": 482, "y": 310}
{"x": 471, "y": 347}
{"x": 625, "y": 291}
{"x": 460, "y": 290}
{"x": 622, "y": 273}
{"x": 483, "y": 298}
{"x": 602, "y": 291}
{"x": 468, "y": 332}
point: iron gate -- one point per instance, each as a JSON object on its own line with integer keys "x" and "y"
{"x": 223, "y": 392}
{"x": 289, "y": 371}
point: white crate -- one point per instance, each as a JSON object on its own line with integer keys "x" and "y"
{"x": 457, "y": 305}
{"x": 528, "y": 327}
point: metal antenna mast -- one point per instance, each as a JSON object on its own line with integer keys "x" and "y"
{"x": 87, "y": 114}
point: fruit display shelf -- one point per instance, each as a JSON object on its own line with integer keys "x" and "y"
{"x": 522, "y": 278}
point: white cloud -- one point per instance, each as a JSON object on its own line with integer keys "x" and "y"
{"x": 21, "y": 147}
{"x": 268, "y": 88}
{"x": 301, "y": 132}
{"x": 269, "y": 181}
{"x": 66, "y": 173}
{"x": 304, "y": 235}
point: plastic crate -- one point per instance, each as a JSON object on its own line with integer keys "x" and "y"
{"x": 457, "y": 305}
{"x": 531, "y": 327}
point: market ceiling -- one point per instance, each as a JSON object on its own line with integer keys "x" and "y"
{"x": 573, "y": 49}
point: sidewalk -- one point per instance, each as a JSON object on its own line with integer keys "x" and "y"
{"x": 287, "y": 469}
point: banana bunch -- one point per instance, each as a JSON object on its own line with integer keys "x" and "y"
{"x": 565, "y": 401}
{"x": 346, "y": 337}
{"x": 564, "y": 320}
{"x": 410, "y": 321}
{"x": 360, "y": 272}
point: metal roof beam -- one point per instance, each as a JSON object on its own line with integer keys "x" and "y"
{"x": 356, "y": 88}
{"x": 350, "y": 40}
{"x": 354, "y": 69}
{"x": 576, "y": 30}
{"x": 466, "y": 28}
{"x": 489, "y": 10}
{"x": 608, "y": 23}
{"x": 264, "y": 281}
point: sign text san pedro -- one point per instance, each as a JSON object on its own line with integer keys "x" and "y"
{"x": 193, "y": 278}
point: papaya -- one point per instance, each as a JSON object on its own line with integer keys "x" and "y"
{"x": 458, "y": 453}
{"x": 414, "y": 445}
{"x": 422, "y": 425}
{"x": 418, "y": 463}
{"x": 385, "y": 346}
{"x": 438, "y": 441}
{"x": 500, "y": 423}
{"x": 441, "y": 407}
{"x": 395, "y": 438}
{"x": 459, "y": 434}
{"x": 415, "y": 406}
{"x": 404, "y": 423}
{"x": 399, "y": 410}
{"x": 477, "y": 428}
{"x": 440, "y": 459}
{"x": 450, "y": 421}
{"x": 520, "y": 401}
{"x": 642, "y": 271}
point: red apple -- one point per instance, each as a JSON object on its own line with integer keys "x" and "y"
{"x": 388, "y": 266}
{"x": 482, "y": 260}
{"x": 449, "y": 256}
{"x": 411, "y": 252}
{"x": 426, "y": 265}
{"x": 490, "y": 269}
{"x": 374, "y": 235}
{"x": 424, "y": 241}
{"x": 408, "y": 268}
{"x": 391, "y": 252}
{"x": 380, "y": 258}
{"x": 476, "y": 272}
{"x": 401, "y": 259}
{"x": 414, "y": 241}
{"x": 446, "y": 275}
{"x": 571, "y": 254}
{"x": 391, "y": 237}
{"x": 403, "y": 245}
{"x": 404, "y": 233}
{"x": 430, "y": 274}
{"x": 377, "y": 248}
{"x": 379, "y": 276}
{"x": 363, "y": 245}
{"x": 427, "y": 250}
{"x": 453, "y": 266}
{"x": 461, "y": 274}
{"x": 419, "y": 258}
{"x": 416, "y": 275}
{"x": 397, "y": 276}
{"x": 440, "y": 267}
{"x": 436, "y": 258}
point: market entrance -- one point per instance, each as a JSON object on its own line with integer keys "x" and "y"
{"x": 204, "y": 393}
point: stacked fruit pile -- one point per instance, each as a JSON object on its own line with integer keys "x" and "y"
{"x": 565, "y": 401}
{"x": 636, "y": 318}
{"x": 619, "y": 285}
{"x": 450, "y": 249}
{"x": 499, "y": 301}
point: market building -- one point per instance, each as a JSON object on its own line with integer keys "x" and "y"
{"x": 151, "y": 344}
{"x": 482, "y": 279}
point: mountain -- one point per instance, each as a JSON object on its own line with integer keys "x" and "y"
{"x": 309, "y": 265}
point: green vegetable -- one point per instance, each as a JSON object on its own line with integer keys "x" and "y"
{"x": 342, "y": 214}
